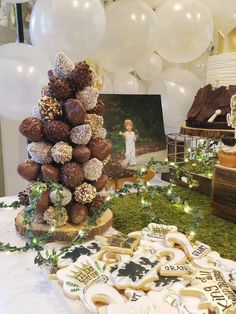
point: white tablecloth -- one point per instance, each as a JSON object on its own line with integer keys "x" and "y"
{"x": 23, "y": 289}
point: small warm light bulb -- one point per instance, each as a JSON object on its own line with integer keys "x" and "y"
{"x": 169, "y": 192}
{"x": 34, "y": 241}
{"x": 52, "y": 229}
{"x": 190, "y": 186}
{"x": 187, "y": 209}
{"x": 192, "y": 233}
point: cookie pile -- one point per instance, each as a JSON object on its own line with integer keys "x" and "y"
{"x": 156, "y": 270}
{"x": 66, "y": 144}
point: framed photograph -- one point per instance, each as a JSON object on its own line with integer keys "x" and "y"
{"x": 135, "y": 126}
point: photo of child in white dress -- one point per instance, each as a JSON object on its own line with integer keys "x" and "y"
{"x": 130, "y": 139}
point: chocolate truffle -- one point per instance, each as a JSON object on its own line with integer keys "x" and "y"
{"x": 32, "y": 129}
{"x": 81, "y": 134}
{"x": 61, "y": 197}
{"x": 92, "y": 169}
{"x": 85, "y": 193}
{"x": 95, "y": 122}
{"x": 62, "y": 66}
{"x": 59, "y": 89}
{"x": 81, "y": 153}
{"x": 74, "y": 111}
{"x": 98, "y": 109}
{"x": 78, "y": 213}
{"x": 81, "y": 76}
{"x": 102, "y": 133}
{"x": 100, "y": 183}
{"x": 29, "y": 170}
{"x": 97, "y": 203}
{"x": 56, "y": 217}
{"x": 43, "y": 202}
{"x": 50, "y": 74}
{"x": 62, "y": 152}
{"x": 50, "y": 172}
{"x": 45, "y": 90}
{"x": 49, "y": 108}
{"x": 72, "y": 174}
{"x": 88, "y": 97}
{"x": 40, "y": 152}
{"x": 56, "y": 131}
{"x": 100, "y": 148}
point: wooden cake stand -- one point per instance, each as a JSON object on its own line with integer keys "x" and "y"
{"x": 206, "y": 133}
{"x": 68, "y": 232}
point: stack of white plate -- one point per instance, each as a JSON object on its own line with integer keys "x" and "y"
{"x": 221, "y": 70}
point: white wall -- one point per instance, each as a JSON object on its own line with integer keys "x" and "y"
{"x": 13, "y": 152}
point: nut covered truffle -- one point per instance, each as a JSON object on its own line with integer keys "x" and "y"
{"x": 102, "y": 133}
{"x": 100, "y": 148}
{"x": 49, "y": 108}
{"x": 72, "y": 174}
{"x": 74, "y": 112}
{"x": 62, "y": 66}
{"x": 32, "y": 129}
{"x": 81, "y": 153}
{"x": 57, "y": 131}
{"x": 81, "y": 134}
{"x": 62, "y": 197}
{"x": 56, "y": 217}
{"x": 95, "y": 122}
{"x": 62, "y": 152}
{"x": 40, "y": 152}
{"x": 85, "y": 193}
{"x": 93, "y": 169}
{"x": 88, "y": 97}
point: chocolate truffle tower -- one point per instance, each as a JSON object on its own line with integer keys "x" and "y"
{"x": 66, "y": 144}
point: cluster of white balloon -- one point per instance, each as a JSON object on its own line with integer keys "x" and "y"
{"x": 142, "y": 46}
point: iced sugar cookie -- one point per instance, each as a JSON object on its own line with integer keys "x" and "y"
{"x": 155, "y": 232}
{"x": 226, "y": 266}
{"x": 134, "y": 273}
{"x": 78, "y": 276}
{"x": 214, "y": 292}
{"x": 176, "y": 262}
{"x": 113, "y": 258}
{"x": 164, "y": 284}
{"x": 89, "y": 248}
{"x": 177, "y": 238}
{"x": 119, "y": 243}
{"x": 101, "y": 293}
{"x": 133, "y": 295}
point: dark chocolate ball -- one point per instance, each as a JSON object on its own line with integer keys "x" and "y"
{"x": 78, "y": 213}
{"x": 74, "y": 111}
{"x": 32, "y": 129}
{"x": 97, "y": 203}
{"x": 71, "y": 174}
{"x": 81, "y": 153}
{"x": 43, "y": 202}
{"x": 100, "y": 183}
{"x": 59, "y": 89}
{"x": 57, "y": 131}
{"x": 100, "y": 148}
{"x": 50, "y": 172}
{"x": 29, "y": 170}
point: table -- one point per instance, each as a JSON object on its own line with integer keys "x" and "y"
{"x": 23, "y": 288}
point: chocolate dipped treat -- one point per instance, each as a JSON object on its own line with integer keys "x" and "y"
{"x": 78, "y": 213}
{"x": 32, "y": 129}
{"x": 74, "y": 111}
{"x": 100, "y": 148}
{"x": 81, "y": 153}
{"x": 98, "y": 109}
{"x": 29, "y": 170}
{"x": 71, "y": 174}
{"x": 50, "y": 172}
{"x": 57, "y": 131}
{"x": 100, "y": 183}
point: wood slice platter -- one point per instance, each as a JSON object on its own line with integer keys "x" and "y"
{"x": 68, "y": 232}
{"x": 206, "y": 133}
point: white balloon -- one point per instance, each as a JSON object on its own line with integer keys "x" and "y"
{"x": 150, "y": 67}
{"x": 23, "y": 71}
{"x": 75, "y": 27}
{"x": 177, "y": 88}
{"x": 127, "y": 84}
{"x": 198, "y": 67}
{"x": 130, "y": 35}
{"x": 185, "y": 30}
{"x": 224, "y": 13}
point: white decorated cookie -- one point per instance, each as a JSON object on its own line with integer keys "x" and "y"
{"x": 90, "y": 248}
{"x": 133, "y": 295}
{"x": 157, "y": 232}
{"x": 214, "y": 292}
{"x": 113, "y": 258}
{"x": 119, "y": 243}
{"x": 164, "y": 284}
{"x": 78, "y": 276}
{"x": 101, "y": 293}
{"x": 176, "y": 238}
{"x": 134, "y": 273}
{"x": 226, "y": 266}
{"x": 176, "y": 262}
